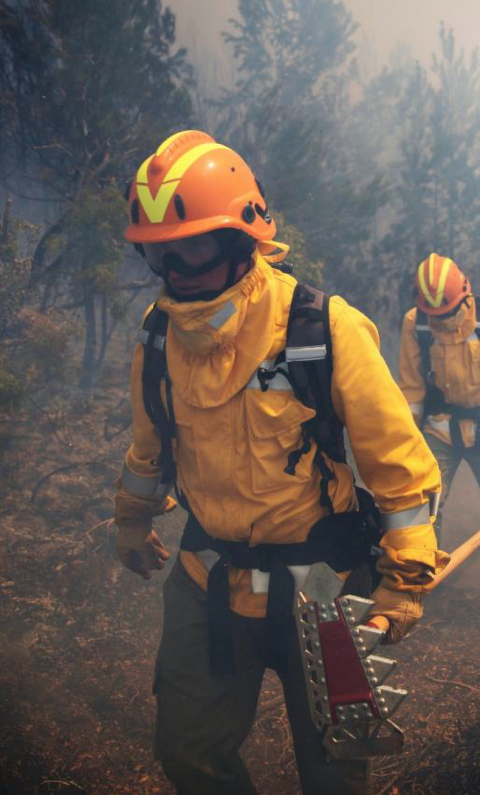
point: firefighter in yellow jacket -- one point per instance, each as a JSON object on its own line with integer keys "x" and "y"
{"x": 439, "y": 369}
{"x": 228, "y": 423}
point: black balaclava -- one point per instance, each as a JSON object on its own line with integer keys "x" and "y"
{"x": 235, "y": 247}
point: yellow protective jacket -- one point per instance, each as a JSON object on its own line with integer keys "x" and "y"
{"x": 233, "y": 440}
{"x": 455, "y": 363}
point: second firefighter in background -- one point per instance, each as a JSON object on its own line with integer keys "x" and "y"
{"x": 439, "y": 369}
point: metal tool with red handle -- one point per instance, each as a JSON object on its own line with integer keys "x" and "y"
{"x": 344, "y": 679}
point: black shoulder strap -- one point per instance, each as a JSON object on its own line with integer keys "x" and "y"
{"x": 153, "y": 337}
{"x": 310, "y": 363}
{"x": 477, "y": 314}
{"x": 434, "y": 402}
{"x": 425, "y": 339}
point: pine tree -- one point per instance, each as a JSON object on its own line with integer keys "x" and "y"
{"x": 87, "y": 89}
{"x": 289, "y": 115}
{"x": 432, "y": 176}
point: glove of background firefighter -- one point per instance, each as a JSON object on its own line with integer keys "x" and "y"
{"x": 402, "y": 608}
{"x": 140, "y": 549}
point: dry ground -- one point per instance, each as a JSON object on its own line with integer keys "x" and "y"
{"x": 79, "y": 633}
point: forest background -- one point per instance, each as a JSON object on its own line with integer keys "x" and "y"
{"x": 366, "y": 172}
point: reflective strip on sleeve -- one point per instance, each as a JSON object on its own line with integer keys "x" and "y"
{"x": 409, "y": 518}
{"x": 278, "y": 382}
{"x": 158, "y": 342}
{"x": 434, "y": 502}
{"x": 141, "y": 486}
{"x": 305, "y": 353}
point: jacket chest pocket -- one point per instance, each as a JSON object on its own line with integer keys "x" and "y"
{"x": 273, "y": 421}
{"x": 473, "y": 355}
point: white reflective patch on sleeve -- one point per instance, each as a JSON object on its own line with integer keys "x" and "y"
{"x": 142, "y": 486}
{"x": 418, "y": 515}
{"x": 434, "y": 502}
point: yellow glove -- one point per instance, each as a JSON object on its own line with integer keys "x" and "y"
{"x": 140, "y": 549}
{"x": 409, "y": 558}
{"x": 401, "y": 608}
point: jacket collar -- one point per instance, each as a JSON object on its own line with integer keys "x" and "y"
{"x": 214, "y": 347}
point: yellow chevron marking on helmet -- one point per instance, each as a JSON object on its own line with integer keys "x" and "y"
{"x": 431, "y": 268}
{"x": 156, "y": 208}
{"x": 434, "y": 302}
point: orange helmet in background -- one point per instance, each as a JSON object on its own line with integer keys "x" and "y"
{"x": 441, "y": 285}
{"x": 192, "y": 185}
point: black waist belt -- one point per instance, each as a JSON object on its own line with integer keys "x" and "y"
{"x": 458, "y": 413}
{"x": 437, "y": 406}
{"x": 342, "y": 540}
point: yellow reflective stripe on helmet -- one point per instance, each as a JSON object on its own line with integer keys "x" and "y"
{"x": 185, "y": 161}
{"x": 434, "y": 302}
{"x": 423, "y": 286}
{"x": 431, "y": 268}
{"x": 155, "y": 209}
{"x": 442, "y": 281}
{"x": 170, "y": 140}
{"x": 142, "y": 177}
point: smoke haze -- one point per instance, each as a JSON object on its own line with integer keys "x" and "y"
{"x": 384, "y": 25}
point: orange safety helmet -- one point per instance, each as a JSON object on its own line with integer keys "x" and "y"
{"x": 441, "y": 285}
{"x": 192, "y": 185}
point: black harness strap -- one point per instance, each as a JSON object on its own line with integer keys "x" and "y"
{"x": 154, "y": 372}
{"x": 311, "y": 378}
{"x": 309, "y": 326}
{"x": 343, "y": 540}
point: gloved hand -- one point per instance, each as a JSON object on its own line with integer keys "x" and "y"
{"x": 401, "y": 608}
{"x": 140, "y": 549}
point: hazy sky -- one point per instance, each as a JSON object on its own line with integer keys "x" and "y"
{"x": 382, "y": 25}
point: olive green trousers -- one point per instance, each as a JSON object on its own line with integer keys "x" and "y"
{"x": 202, "y": 721}
{"x": 449, "y": 459}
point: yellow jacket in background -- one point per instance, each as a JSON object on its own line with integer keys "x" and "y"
{"x": 455, "y": 363}
{"x": 233, "y": 439}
